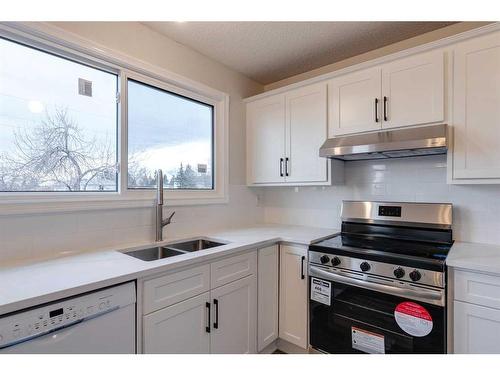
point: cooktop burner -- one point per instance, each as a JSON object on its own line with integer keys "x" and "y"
{"x": 407, "y": 234}
{"x": 409, "y": 253}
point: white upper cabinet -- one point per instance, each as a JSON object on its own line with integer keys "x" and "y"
{"x": 266, "y": 140}
{"x": 284, "y": 134}
{"x": 405, "y": 92}
{"x": 354, "y": 104}
{"x": 476, "y": 110}
{"x": 306, "y": 130}
{"x": 413, "y": 90}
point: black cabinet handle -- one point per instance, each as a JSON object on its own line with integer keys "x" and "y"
{"x": 286, "y": 167}
{"x": 207, "y": 328}
{"x": 376, "y": 109}
{"x": 302, "y": 276}
{"x": 385, "y": 108}
{"x": 216, "y": 321}
{"x": 281, "y": 167}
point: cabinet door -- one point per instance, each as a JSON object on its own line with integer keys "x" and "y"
{"x": 234, "y": 327}
{"x": 180, "y": 328}
{"x": 267, "y": 297}
{"x": 476, "y": 329}
{"x": 354, "y": 102}
{"x": 266, "y": 140}
{"x": 413, "y": 90}
{"x": 306, "y": 130}
{"x": 293, "y": 321}
{"x": 476, "y": 108}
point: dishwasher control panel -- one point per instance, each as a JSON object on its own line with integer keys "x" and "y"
{"x": 38, "y": 321}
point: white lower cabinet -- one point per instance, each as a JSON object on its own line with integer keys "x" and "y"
{"x": 235, "y": 317}
{"x": 476, "y": 329}
{"x": 221, "y": 320}
{"x": 293, "y": 309}
{"x": 476, "y": 312}
{"x": 267, "y": 296}
{"x": 180, "y": 328}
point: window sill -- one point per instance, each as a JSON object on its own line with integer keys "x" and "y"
{"x": 58, "y": 204}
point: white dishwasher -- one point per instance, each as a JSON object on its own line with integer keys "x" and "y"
{"x": 98, "y": 322}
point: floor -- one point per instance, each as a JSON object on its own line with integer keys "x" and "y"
{"x": 277, "y": 351}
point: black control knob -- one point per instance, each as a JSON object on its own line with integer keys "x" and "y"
{"x": 324, "y": 259}
{"x": 399, "y": 272}
{"x": 335, "y": 261}
{"x": 365, "y": 266}
{"x": 415, "y": 275}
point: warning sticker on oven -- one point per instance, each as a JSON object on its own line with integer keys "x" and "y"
{"x": 413, "y": 319}
{"x": 367, "y": 342}
{"x": 321, "y": 291}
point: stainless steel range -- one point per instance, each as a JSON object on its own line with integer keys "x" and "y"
{"x": 380, "y": 285}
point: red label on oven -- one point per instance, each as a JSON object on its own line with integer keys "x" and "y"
{"x": 413, "y": 319}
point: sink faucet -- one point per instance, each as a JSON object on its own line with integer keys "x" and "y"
{"x": 160, "y": 222}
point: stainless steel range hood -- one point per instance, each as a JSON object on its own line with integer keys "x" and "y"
{"x": 427, "y": 140}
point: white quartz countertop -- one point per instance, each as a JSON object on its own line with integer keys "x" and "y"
{"x": 475, "y": 257}
{"x": 35, "y": 283}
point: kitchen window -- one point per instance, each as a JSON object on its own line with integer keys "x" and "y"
{"x": 82, "y": 126}
{"x": 58, "y": 123}
{"x": 171, "y": 132}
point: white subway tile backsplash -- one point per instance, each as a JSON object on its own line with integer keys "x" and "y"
{"x": 419, "y": 179}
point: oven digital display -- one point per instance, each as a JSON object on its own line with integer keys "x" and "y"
{"x": 56, "y": 312}
{"x": 393, "y": 211}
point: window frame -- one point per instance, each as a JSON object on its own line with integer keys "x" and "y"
{"x": 49, "y": 38}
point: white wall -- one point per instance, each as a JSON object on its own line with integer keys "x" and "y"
{"x": 423, "y": 179}
{"x": 45, "y": 235}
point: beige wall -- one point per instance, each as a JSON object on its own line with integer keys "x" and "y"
{"x": 392, "y": 48}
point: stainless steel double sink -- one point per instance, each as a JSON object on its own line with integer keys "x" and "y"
{"x": 171, "y": 250}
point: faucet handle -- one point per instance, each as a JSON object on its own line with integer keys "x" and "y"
{"x": 168, "y": 220}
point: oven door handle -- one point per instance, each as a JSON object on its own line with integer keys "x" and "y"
{"x": 434, "y": 297}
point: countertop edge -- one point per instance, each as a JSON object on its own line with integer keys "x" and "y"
{"x": 85, "y": 287}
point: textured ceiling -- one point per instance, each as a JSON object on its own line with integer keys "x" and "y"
{"x": 270, "y": 51}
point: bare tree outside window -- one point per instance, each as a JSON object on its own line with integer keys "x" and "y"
{"x": 57, "y": 155}
{"x": 55, "y": 135}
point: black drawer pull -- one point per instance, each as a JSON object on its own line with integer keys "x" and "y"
{"x": 207, "y": 328}
{"x": 385, "y": 108}
{"x": 216, "y": 321}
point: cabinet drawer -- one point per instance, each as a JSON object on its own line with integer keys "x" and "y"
{"x": 175, "y": 287}
{"x": 477, "y": 288}
{"x": 234, "y": 268}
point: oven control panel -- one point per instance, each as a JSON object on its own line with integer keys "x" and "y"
{"x": 393, "y": 271}
{"x": 42, "y": 320}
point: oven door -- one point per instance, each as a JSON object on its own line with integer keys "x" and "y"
{"x": 357, "y": 313}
